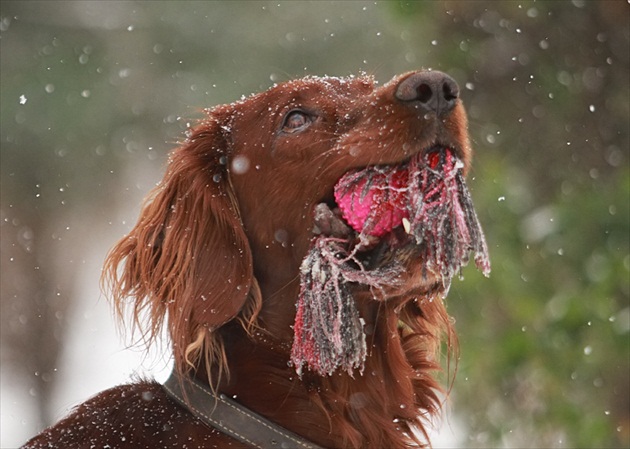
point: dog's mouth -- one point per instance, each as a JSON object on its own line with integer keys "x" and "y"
{"x": 420, "y": 209}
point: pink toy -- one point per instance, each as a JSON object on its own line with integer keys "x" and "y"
{"x": 374, "y": 200}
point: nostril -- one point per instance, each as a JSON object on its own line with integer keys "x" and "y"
{"x": 424, "y": 93}
{"x": 450, "y": 90}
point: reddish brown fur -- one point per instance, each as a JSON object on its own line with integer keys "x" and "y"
{"x": 207, "y": 260}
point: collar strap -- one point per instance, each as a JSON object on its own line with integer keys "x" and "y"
{"x": 230, "y": 417}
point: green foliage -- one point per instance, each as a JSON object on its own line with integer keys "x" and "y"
{"x": 545, "y": 341}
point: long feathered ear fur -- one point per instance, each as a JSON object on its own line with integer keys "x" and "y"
{"x": 188, "y": 257}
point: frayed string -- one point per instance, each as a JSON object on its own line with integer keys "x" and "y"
{"x": 442, "y": 216}
{"x": 328, "y": 331}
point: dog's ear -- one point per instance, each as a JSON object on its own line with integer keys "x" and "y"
{"x": 188, "y": 255}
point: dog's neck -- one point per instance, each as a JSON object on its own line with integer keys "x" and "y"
{"x": 276, "y": 274}
{"x": 369, "y": 408}
{"x": 261, "y": 378}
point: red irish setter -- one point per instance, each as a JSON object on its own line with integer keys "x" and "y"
{"x": 246, "y": 227}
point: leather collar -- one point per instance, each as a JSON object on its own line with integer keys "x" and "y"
{"x": 230, "y": 417}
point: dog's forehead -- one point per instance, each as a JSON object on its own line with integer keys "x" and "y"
{"x": 332, "y": 85}
{"x": 307, "y": 90}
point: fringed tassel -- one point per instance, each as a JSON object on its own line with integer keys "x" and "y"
{"x": 328, "y": 331}
{"x": 442, "y": 216}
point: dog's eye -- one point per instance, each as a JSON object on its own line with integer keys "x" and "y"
{"x": 296, "y": 121}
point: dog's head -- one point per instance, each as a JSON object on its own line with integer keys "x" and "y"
{"x": 256, "y": 183}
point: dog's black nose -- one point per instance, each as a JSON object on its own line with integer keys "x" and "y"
{"x": 430, "y": 91}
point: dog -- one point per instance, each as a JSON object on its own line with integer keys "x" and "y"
{"x": 298, "y": 279}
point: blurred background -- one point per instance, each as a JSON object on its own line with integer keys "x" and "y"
{"x": 95, "y": 94}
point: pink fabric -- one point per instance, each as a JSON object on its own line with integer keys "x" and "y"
{"x": 374, "y": 204}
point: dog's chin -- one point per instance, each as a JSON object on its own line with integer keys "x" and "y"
{"x": 399, "y": 251}
{"x": 394, "y": 252}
